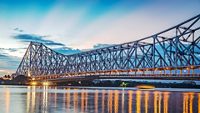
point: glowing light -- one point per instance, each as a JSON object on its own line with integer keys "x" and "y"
{"x": 45, "y": 83}
{"x": 33, "y": 83}
{"x": 145, "y": 87}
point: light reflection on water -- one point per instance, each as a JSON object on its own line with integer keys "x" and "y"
{"x": 35, "y": 99}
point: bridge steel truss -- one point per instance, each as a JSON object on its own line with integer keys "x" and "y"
{"x": 175, "y": 51}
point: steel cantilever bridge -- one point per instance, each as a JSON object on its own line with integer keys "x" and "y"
{"x": 171, "y": 54}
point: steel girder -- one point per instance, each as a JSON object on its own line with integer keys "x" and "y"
{"x": 175, "y": 47}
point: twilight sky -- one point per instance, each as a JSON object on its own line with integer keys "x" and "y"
{"x": 70, "y": 26}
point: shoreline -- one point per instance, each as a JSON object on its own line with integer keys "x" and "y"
{"x": 129, "y": 84}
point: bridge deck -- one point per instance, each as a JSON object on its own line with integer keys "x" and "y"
{"x": 121, "y": 77}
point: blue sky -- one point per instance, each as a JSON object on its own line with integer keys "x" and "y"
{"x": 71, "y": 26}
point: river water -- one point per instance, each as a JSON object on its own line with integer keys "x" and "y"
{"x": 46, "y": 99}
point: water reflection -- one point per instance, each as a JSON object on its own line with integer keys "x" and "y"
{"x": 45, "y": 99}
{"x": 165, "y": 102}
{"x": 74, "y": 100}
{"x": 199, "y": 103}
{"x": 31, "y": 98}
{"x": 7, "y": 99}
{"x": 116, "y": 101}
{"x": 103, "y": 100}
{"x": 110, "y": 99}
{"x": 188, "y": 100}
{"x": 130, "y": 99}
{"x": 146, "y": 102}
{"x": 138, "y": 101}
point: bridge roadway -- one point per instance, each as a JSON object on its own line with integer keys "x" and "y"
{"x": 121, "y": 77}
{"x": 156, "y": 74}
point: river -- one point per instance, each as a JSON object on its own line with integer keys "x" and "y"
{"x": 49, "y": 99}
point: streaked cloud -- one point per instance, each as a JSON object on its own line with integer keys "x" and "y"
{"x": 102, "y": 45}
{"x": 17, "y": 29}
{"x": 36, "y": 38}
{"x": 67, "y": 50}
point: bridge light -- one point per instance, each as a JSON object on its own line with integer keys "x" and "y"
{"x": 45, "y": 83}
{"x": 33, "y": 83}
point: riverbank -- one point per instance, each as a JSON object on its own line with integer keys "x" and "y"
{"x": 121, "y": 83}
{"x": 19, "y": 80}
{"x": 108, "y": 83}
{"x": 23, "y": 80}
